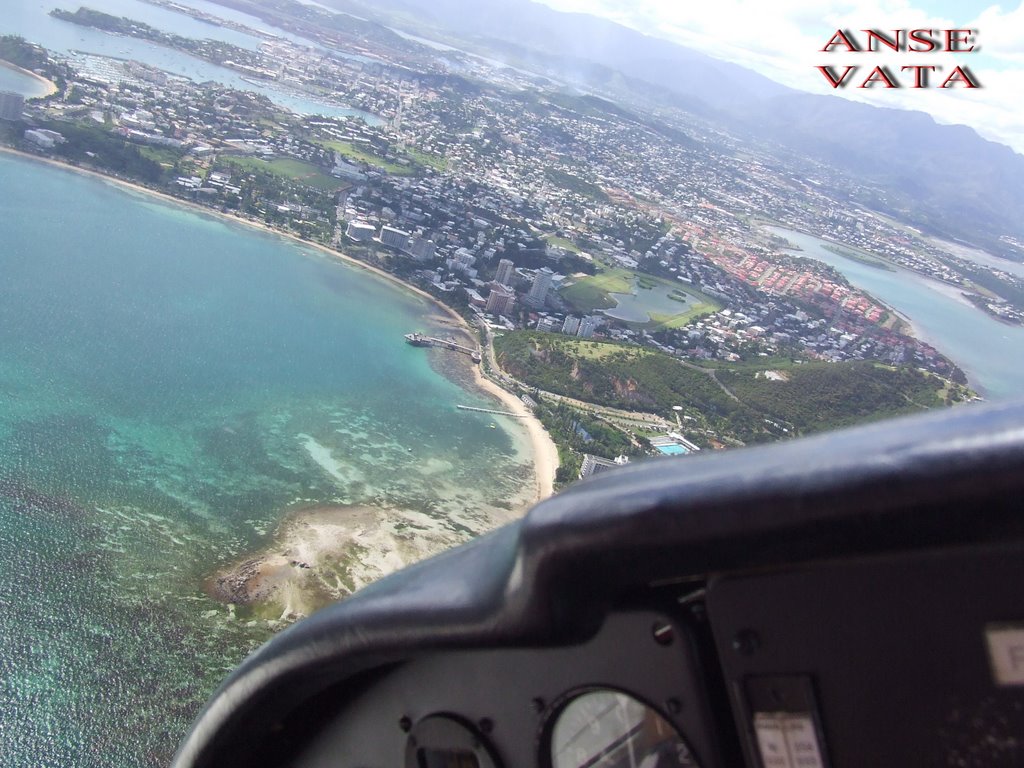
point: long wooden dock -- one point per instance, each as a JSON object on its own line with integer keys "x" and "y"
{"x": 420, "y": 340}
{"x": 490, "y": 410}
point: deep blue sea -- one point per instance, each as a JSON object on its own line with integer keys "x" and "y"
{"x": 171, "y": 385}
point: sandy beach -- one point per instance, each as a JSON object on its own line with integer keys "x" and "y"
{"x": 320, "y": 554}
{"x": 51, "y": 87}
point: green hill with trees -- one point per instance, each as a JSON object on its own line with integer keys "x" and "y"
{"x": 749, "y": 402}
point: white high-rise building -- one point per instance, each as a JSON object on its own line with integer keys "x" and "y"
{"x": 396, "y": 238}
{"x": 571, "y": 325}
{"x": 422, "y": 249}
{"x": 587, "y": 326}
{"x": 506, "y": 272}
{"x": 360, "y": 230}
{"x": 539, "y": 290}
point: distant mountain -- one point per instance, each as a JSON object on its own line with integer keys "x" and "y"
{"x": 946, "y": 179}
{"x": 577, "y": 40}
{"x": 942, "y": 177}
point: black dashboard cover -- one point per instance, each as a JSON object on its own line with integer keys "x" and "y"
{"x": 941, "y": 479}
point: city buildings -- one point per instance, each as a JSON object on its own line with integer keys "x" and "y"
{"x": 593, "y": 465}
{"x": 587, "y": 327}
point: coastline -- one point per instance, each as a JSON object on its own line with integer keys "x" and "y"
{"x": 51, "y": 87}
{"x": 322, "y": 553}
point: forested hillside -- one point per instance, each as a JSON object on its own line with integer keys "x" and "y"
{"x": 748, "y": 402}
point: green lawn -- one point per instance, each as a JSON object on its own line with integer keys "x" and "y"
{"x": 163, "y": 155}
{"x": 289, "y": 168}
{"x": 561, "y": 242}
{"x": 590, "y": 293}
{"x": 597, "y": 350}
{"x": 360, "y": 155}
{"x": 667, "y": 322}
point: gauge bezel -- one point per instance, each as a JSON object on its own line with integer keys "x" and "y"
{"x": 562, "y": 702}
{"x": 448, "y": 730}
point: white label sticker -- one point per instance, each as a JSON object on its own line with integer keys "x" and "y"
{"x": 771, "y": 740}
{"x": 787, "y": 740}
{"x": 1006, "y": 652}
{"x": 802, "y": 742}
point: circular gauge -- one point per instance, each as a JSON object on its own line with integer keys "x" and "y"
{"x": 604, "y": 728}
{"x": 444, "y": 741}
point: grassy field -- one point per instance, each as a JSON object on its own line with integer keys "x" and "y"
{"x": 561, "y": 242}
{"x": 361, "y": 155}
{"x": 668, "y": 322}
{"x": 296, "y": 170}
{"x": 592, "y": 293}
{"x": 165, "y": 156}
{"x": 753, "y": 408}
{"x": 598, "y": 350}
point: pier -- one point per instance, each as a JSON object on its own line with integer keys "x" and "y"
{"x": 490, "y": 410}
{"x": 419, "y": 340}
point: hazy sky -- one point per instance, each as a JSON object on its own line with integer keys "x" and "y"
{"x": 782, "y": 39}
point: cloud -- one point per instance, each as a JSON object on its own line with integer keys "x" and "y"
{"x": 783, "y": 40}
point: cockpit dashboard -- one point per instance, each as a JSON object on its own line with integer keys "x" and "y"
{"x": 845, "y": 600}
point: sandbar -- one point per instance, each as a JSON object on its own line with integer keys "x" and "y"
{"x": 322, "y": 554}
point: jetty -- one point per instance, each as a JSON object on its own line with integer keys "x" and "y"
{"x": 421, "y": 340}
{"x": 490, "y": 410}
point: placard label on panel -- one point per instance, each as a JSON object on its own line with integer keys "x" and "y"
{"x": 802, "y": 741}
{"x": 771, "y": 740}
{"x": 1006, "y": 652}
{"x": 787, "y": 740}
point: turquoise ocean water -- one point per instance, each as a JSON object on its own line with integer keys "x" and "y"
{"x": 170, "y": 385}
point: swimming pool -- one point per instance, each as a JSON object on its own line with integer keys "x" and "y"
{"x": 672, "y": 450}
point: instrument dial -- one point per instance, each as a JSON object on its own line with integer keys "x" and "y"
{"x": 604, "y": 728}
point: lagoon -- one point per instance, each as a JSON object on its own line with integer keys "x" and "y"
{"x": 171, "y": 385}
{"x": 990, "y": 352}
